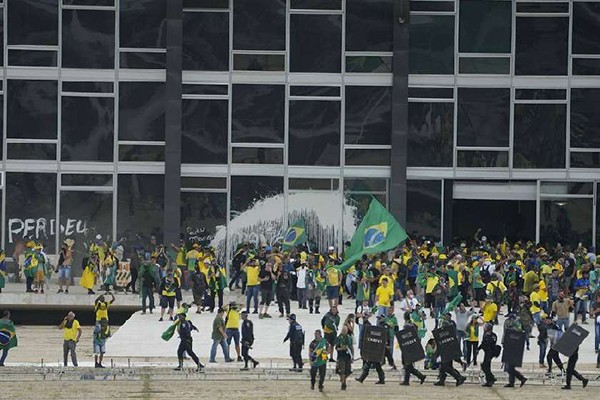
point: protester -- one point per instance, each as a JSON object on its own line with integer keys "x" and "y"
{"x": 252, "y": 270}
{"x": 8, "y": 336}
{"x": 99, "y": 337}
{"x": 232, "y": 327}
{"x": 65, "y": 261}
{"x": 330, "y": 323}
{"x": 167, "y": 291}
{"x": 71, "y": 334}
{"x": 219, "y": 337}
{"x": 343, "y": 346}
{"x": 317, "y": 352}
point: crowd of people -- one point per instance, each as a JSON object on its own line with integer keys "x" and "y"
{"x": 540, "y": 290}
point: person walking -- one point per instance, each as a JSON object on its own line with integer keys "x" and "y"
{"x": 283, "y": 292}
{"x": 185, "y": 328}
{"x": 296, "y": 337}
{"x": 71, "y": 334}
{"x": 490, "y": 350}
{"x": 560, "y": 309}
{"x": 301, "y": 287}
{"x": 266, "y": 278}
{"x": 148, "y": 277}
{"x": 168, "y": 288}
{"x": 252, "y": 269}
{"x": 247, "y": 341}
{"x": 99, "y": 337}
{"x": 409, "y": 368}
{"x": 343, "y": 346}
{"x": 572, "y": 372}
{"x": 65, "y": 262}
{"x": 513, "y": 323}
{"x": 330, "y": 323}
{"x": 219, "y": 337}
{"x": 317, "y": 352}
{"x": 554, "y": 333}
{"x": 232, "y": 327}
{"x": 334, "y": 278}
{"x": 8, "y": 336}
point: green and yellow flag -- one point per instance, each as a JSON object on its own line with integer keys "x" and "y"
{"x": 294, "y": 236}
{"x": 8, "y": 336}
{"x": 379, "y": 231}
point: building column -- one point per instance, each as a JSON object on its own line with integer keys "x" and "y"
{"x": 448, "y": 199}
{"x": 172, "y": 194}
{"x": 399, "y": 151}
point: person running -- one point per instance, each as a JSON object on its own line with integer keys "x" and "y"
{"x": 185, "y": 328}
{"x": 446, "y": 368}
{"x": 71, "y": 334}
{"x": 232, "y": 327}
{"x": 343, "y": 346}
{"x": 65, "y": 262}
{"x": 296, "y": 337}
{"x": 572, "y": 372}
{"x": 247, "y": 341}
{"x": 317, "y": 352}
{"x": 409, "y": 368}
{"x": 219, "y": 337}
{"x": 489, "y": 347}
{"x": 554, "y": 333}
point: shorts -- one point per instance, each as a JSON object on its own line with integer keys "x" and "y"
{"x": 233, "y": 334}
{"x": 266, "y": 296}
{"x": 167, "y": 301}
{"x": 479, "y": 294}
{"x": 99, "y": 348}
{"x": 64, "y": 272}
{"x": 178, "y": 294}
{"x": 333, "y": 292}
{"x": 330, "y": 338}
{"x": 344, "y": 366}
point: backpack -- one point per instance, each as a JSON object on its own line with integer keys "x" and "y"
{"x": 497, "y": 351}
{"x": 497, "y": 293}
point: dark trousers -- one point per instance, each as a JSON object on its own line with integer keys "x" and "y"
{"x": 447, "y": 369}
{"x": 409, "y": 369}
{"x": 236, "y": 276}
{"x": 486, "y": 367}
{"x": 185, "y": 346}
{"x": 134, "y": 278}
{"x": 571, "y": 372}
{"x": 28, "y": 283}
{"x": 553, "y": 356}
{"x": 296, "y": 354}
{"x": 283, "y": 301}
{"x": 513, "y": 374}
{"x": 70, "y": 346}
{"x": 367, "y": 366}
{"x": 316, "y": 302}
{"x": 321, "y": 369}
{"x": 471, "y": 351}
{"x": 147, "y": 294}
{"x": 246, "y": 355}
{"x": 4, "y": 355}
{"x": 213, "y": 295}
{"x": 389, "y": 356}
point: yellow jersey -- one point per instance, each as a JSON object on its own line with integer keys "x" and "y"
{"x": 384, "y": 296}
{"x": 102, "y": 310}
{"x": 534, "y": 297}
{"x": 333, "y": 278}
{"x": 71, "y": 333}
{"x": 490, "y": 310}
{"x": 252, "y": 272}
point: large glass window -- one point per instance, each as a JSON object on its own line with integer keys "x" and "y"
{"x": 142, "y": 111}
{"x": 430, "y": 134}
{"x": 431, "y": 44}
{"x": 315, "y": 43}
{"x": 33, "y": 22}
{"x": 483, "y": 117}
{"x": 259, "y": 25}
{"x": 30, "y": 209}
{"x": 246, "y": 191}
{"x": 83, "y": 216}
{"x": 206, "y": 41}
{"x": 204, "y": 131}
{"x": 32, "y": 109}
{"x": 586, "y": 25}
{"x": 368, "y": 115}
{"x": 88, "y": 39}
{"x": 314, "y": 132}
{"x": 540, "y": 135}
{"x": 542, "y": 46}
{"x": 424, "y": 209}
{"x": 585, "y": 118}
{"x": 485, "y": 26}
{"x": 201, "y": 214}
{"x": 87, "y": 128}
{"x": 258, "y": 113}
{"x": 566, "y": 220}
{"x": 369, "y": 25}
{"x": 140, "y": 206}
{"x": 142, "y": 23}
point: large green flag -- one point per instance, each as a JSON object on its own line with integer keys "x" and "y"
{"x": 8, "y": 336}
{"x": 379, "y": 231}
{"x": 295, "y": 235}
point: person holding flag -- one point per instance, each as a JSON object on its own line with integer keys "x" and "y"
{"x": 318, "y": 354}
{"x": 294, "y": 236}
{"x": 8, "y": 336}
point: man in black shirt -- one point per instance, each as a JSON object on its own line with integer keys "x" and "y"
{"x": 296, "y": 337}
{"x": 185, "y": 328}
{"x": 236, "y": 267}
{"x": 247, "y": 341}
{"x": 488, "y": 345}
{"x": 571, "y": 371}
{"x": 266, "y": 278}
{"x": 283, "y": 292}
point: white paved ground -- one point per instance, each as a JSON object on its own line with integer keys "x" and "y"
{"x": 140, "y": 337}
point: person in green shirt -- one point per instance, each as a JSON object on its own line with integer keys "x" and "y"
{"x": 391, "y": 323}
{"x": 219, "y": 337}
{"x": 478, "y": 286}
{"x": 363, "y": 286}
{"x": 343, "y": 345}
{"x": 317, "y": 351}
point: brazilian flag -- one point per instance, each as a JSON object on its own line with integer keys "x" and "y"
{"x": 379, "y": 231}
{"x": 295, "y": 235}
{"x": 8, "y": 336}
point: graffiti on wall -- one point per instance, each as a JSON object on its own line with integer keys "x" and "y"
{"x": 43, "y": 228}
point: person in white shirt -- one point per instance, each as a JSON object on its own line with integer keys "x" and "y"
{"x": 409, "y": 303}
{"x": 301, "y": 285}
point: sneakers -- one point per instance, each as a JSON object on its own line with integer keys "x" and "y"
{"x": 566, "y": 387}
{"x": 66, "y": 291}
{"x": 358, "y": 380}
{"x": 160, "y": 319}
{"x": 228, "y": 360}
{"x": 404, "y": 384}
{"x": 344, "y": 386}
{"x": 320, "y": 388}
{"x": 265, "y": 315}
{"x": 178, "y": 368}
{"x": 380, "y": 383}
{"x": 312, "y": 386}
{"x": 245, "y": 369}
{"x": 509, "y": 385}
{"x": 438, "y": 383}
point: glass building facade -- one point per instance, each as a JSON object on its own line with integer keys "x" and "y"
{"x": 226, "y": 120}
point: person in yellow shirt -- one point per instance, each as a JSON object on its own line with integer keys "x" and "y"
{"x": 101, "y": 307}
{"x": 71, "y": 334}
{"x": 536, "y": 307}
{"x": 334, "y": 279}
{"x": 252, "y": 269}
{"x": 543, "y": 292}
{"x": 490, "y": 311}
{"x": 232, "y": 327}
{"x": 383, "y": 296}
